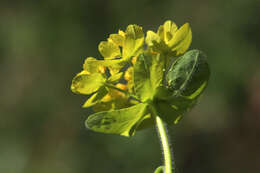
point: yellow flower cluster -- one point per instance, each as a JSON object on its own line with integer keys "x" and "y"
{"x": 105, "y": 78}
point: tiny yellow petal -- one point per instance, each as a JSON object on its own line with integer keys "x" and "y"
{"x": 101, "y": 69}
{"x": 121, "y": 86}
{"x": 134, "y": 59}
{"x": 129, "y": 74}
{"x": 118, "y": 94}
{"x": 116, "y": 39}
{"x": 122, "y": 33}
{"x": 169, "y": 29}
{"x": 107, "y": 98}
{"x": 109, "y": 50}
{"x": 181, "y": 40}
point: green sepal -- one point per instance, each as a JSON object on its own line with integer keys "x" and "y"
{"x": 123, "y": 121}
{"x": 148, "y": 75}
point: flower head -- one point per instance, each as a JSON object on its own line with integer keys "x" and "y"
{"x": 170, "y": 39}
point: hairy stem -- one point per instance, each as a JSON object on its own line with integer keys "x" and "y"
{"x": 165, "y": 145}
{"x": 169, "y": 166}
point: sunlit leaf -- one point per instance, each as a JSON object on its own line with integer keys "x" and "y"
{"x": 122, "y": 121}
{"x": 103, "y": 106}
{"x": 112, "y": 104}
{"x": 84, "y": 83}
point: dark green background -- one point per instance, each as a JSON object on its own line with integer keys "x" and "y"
{"x": 43, "y": 44}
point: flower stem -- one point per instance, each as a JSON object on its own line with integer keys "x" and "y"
{"x": 169, "y": 166}
{"x": 165, "y": 145}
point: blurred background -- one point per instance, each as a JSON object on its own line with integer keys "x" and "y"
{"x": 43, "y": 44}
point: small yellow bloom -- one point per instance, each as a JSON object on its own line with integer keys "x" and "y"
{"x": 129, "y": 74}
{"x": 121, "y": 86}
{"x": 169, "y": 38}
{"x": 107, "y": 98}
{"x": 133, "y": 61}
{"x": 115, "y": 94}
{"x": 101, "y": 69}
{"x": 123, "y": 44}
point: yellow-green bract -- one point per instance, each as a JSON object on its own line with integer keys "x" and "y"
{"x": 136, "y": 78}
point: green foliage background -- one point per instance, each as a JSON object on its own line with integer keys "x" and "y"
{"x": 43, "y": 45}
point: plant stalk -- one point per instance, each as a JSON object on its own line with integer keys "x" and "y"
{"x": 169, "y": 166}
{"x": 165, "y": 145}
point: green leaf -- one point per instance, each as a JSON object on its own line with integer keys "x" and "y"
{"x": 85, "y": 83}
{"x": 187, "y": 79}
{"x": 176, "y": 101}
{"x": 109, "y": 50}
{"x": 173, "y": 108}
{"x": 103, "y": 106}
{"x": 148, "y": 75}
{"x": 114, "y": 104}
{"x": 122, "y": 121}
{"x": 96, "y": 98}
{"x": 189, "y": 74}
{"x": 134, "y": 40}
